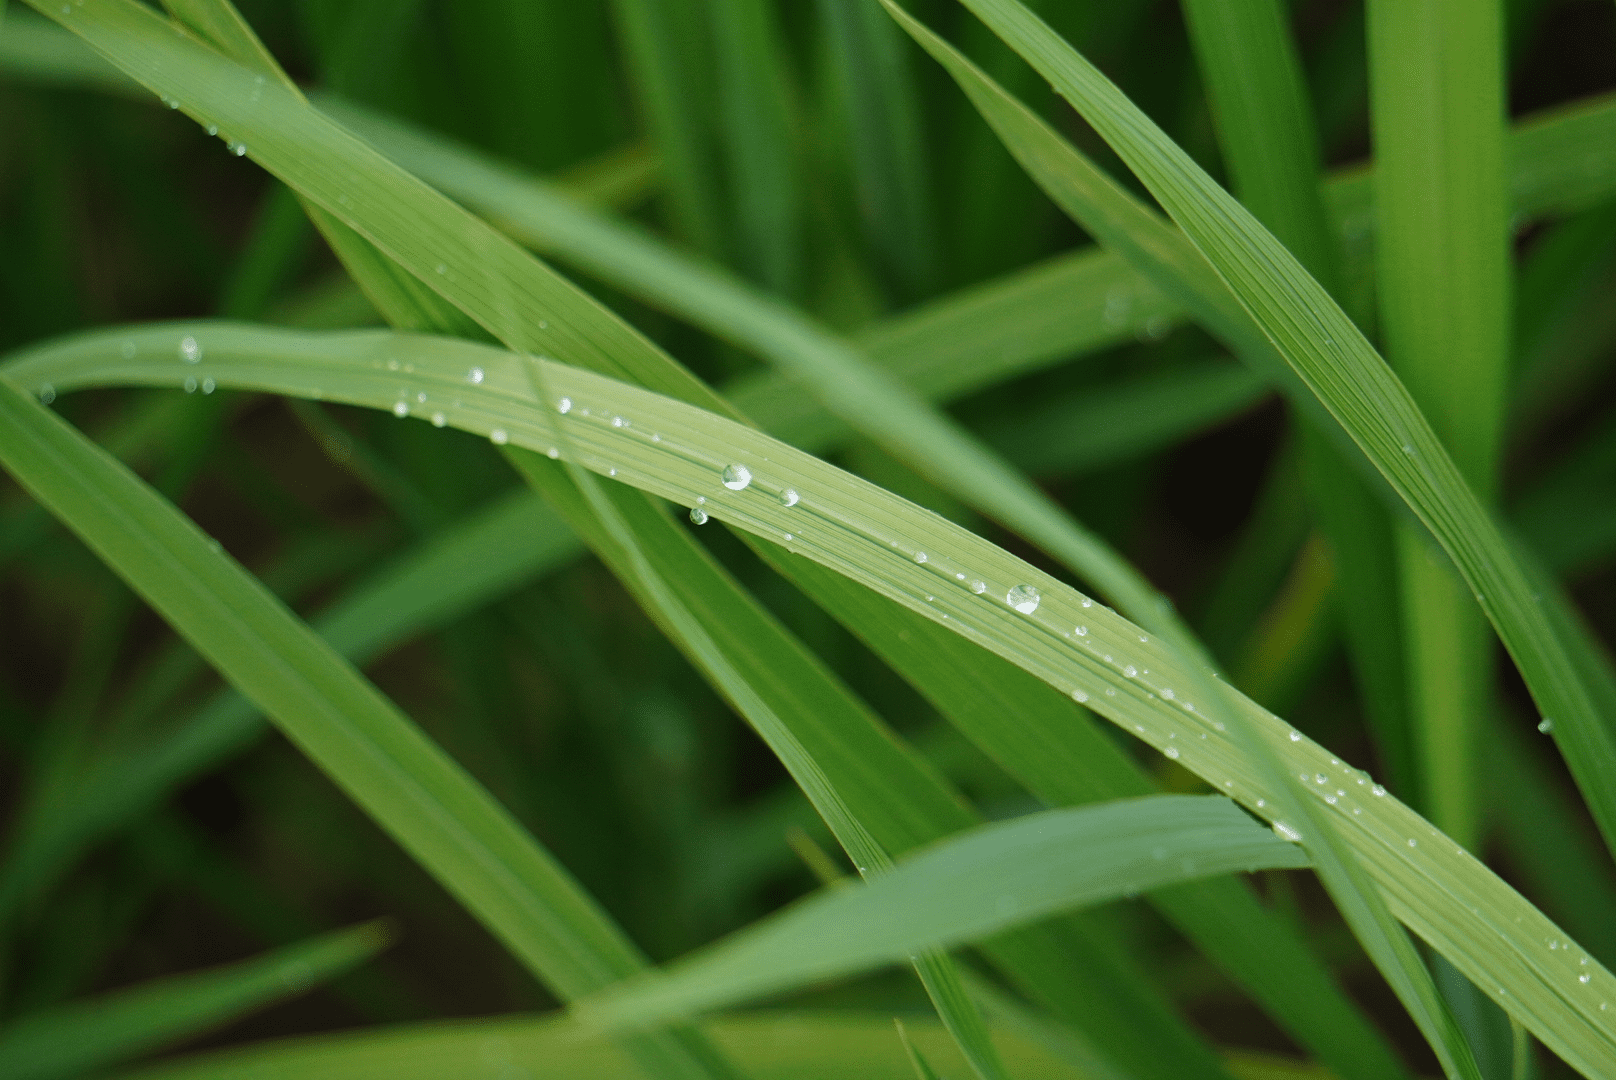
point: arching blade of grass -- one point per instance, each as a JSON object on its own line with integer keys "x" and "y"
{"x": 679, "y": 452}
{"x": 94, "y": 1033}
{"x": 1344, "y": 374}
{"x": 442, "y": 816}
{"x": 462, "y": 568}
{"x": 960, "y": 890}
{"x": 773, "y": 1045}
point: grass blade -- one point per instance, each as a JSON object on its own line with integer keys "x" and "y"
{"x": 976, "y": 884}
{"x": 92, "y": 1034}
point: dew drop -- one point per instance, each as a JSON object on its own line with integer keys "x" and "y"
{"x": 238, "y": 148}
{"x": 475, "y": 377}
{"x": 1080, "y": 696}
{"x": 1167, "y": 693}
{"x": 209, "y": 386}
{"x": 553, "y": 453}
{"x": 920, "y": 556}
{"x": 1284, "y": 831}
{"x": 1087, "y": 602}
{"x": 789, "y": 497}
{"x": 392, "y": 363}
{"x": 564, "y": 406}
{"x": 1172, "y": 752}
{"x": 1584, "y": 979}
{"x": 698, "y": 516}
{"x": 979, "y": 587}
{"x": 438, "y": 419}
{"x": 498, "y": 437}
{"x": 190, "y": 384}
{"x": 1413, "y": 842}
{"x": 1545, "y": 725}
{"x": 1330, "y": 799}
{"x": 1320, "y": 778}
{"x": 618, "y": 421}
{"x": 611, "y": 472}
{"x": 190, "y": 351}
{"x": 1082, "y": 631}
{"x": 212, "y": 129}
{"x": 1024, "y": 598}
{"x": 1130, "y": 671}
{"x": 401, "y": 409}
{"x": 47, "y": 394}
{"x": 441, "y": 268}
{"x": 736, "y": 477}
{"x": 1379, "y": 791}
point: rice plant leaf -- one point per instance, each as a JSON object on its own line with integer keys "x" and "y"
{"x": 963, "y": 889}
{"x": 773, "y": 1045}
{"x": 443, "y": 817}
{"x": 94, "y": 1033}
{"x": 864, "y": 533}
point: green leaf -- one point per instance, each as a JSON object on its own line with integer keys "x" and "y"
{"x": 91, "y": 1034}
{"x": 867, "y": 534}
{"x": 963, "y": 889}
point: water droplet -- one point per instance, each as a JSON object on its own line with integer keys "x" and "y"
{"x": 1379, "y": 791}
{"x": 441, "y": 268}
{"x": 209, "y": 386}
{"x": 1143, "y": 639}
{"x": 401, "y": 409}
{"x": 1284, "y": 831}
{"x": 1167, "y": 693}
{"x": 190, "y": 351}
{"x": 1545, "y": 725}
{"x": 1024, "y": 598}
{"x": 736, "y": 477}
{"x": 1080, "y": 696}
{"x": 475, "y": 378}
{"x": 553, "y": 453}
{"x": 1330, "y": 799}
{"x": 618, "y": 421}
{"x": 47, "y": 394}
{"x": 1172, "y": 752}
{"x": 979, "y": 587}
{"x": 127, "y": 349}
{"x": 213, "y": 129}
{"x": 238, "y": 148}
{"x": 698, "y": 516}
{"x": 920, "y": 556}
{"x": 1087, "y": 602}
{"x": 1584, "y": 979}
{"x": 438, "y": 419}
{"x": 392, "y": 363}
{"x": 1320, "y": 778}
{"x": 1261, "y": 803}
{"x": 788, "y": 497}
{"x": 190, "y": 384}
{"x": 611, "y": 472}
{"x": 1413, "y": 842}
{"x": 498, "y": 437}
{"x": 564, "y": 406}
{"x": 1130, "y": 671}
{"x": 1296, "y": 736}
{"x": 1082, "y": 631}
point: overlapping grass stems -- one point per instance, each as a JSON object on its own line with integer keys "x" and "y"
{"x": 925, "y": 594}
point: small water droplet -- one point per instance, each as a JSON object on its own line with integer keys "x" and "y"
{"x": 441, "y": 268}
{"x": 1261, "y": 803}
{"x": 1296, "y": 736}
{"x": 788, "y": 497}
{"x": 1087, "y": 602}
{"x": 736, "y": 477}
{"x": 47, "y": 394}
{"x": 190, "y": 384}
{"x": 1545, "y": 725}
{"x": 1413, "y": 842}
{"x": 475, "y": 378}
{"x": 1172, "y": 752}
{"x": 611, "y": 472}
{"x": 401, "y": 409}
{"x": 1330, "y": 799}
{"x": 1379, "y": 791}
{"x": 392, "y": 363}
{"x": 618, "y": 421}
{"x": 190, "y": 351}
{"x": 1284, "y": 831}
{"x": 1584, "y": 978}
{"x": 1024, "y": 598}
{"x": 979, "y": 587}
{"x": 553, "y": 453}
{"x": 1080, "y": 696}
{"x": 564, "y": 406}
{"x": 238, "y": 148}
{"x": 1320, "y": 778}
{"x": 1167, "y": 693}
{"x": 438, "y": 419}
{"x": 421, "y": 397}
{"x": 1130, "y": 671}
{"x": 698, "y": 516}
{"x": 213, "y": 129}
{"x": 1082, "y": 631}
{"x": 498, "y": 437}
{"x": 209, "y": 386}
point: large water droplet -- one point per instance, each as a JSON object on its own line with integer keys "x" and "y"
{"x": 401, "y": 409}
{"x": 1024, "y": 598}
{"x": 736, "y": 477}
{"x": 190, "y": 351}
{"x": 698, "y": 516}
{"x": 1285, "y": 832}
{"x": 1545, "y": 725}
{"x": 438, "y": 419}
{"x": 788, "y": 497}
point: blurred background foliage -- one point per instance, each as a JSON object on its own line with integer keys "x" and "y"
{"x": 857, "y": 184}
